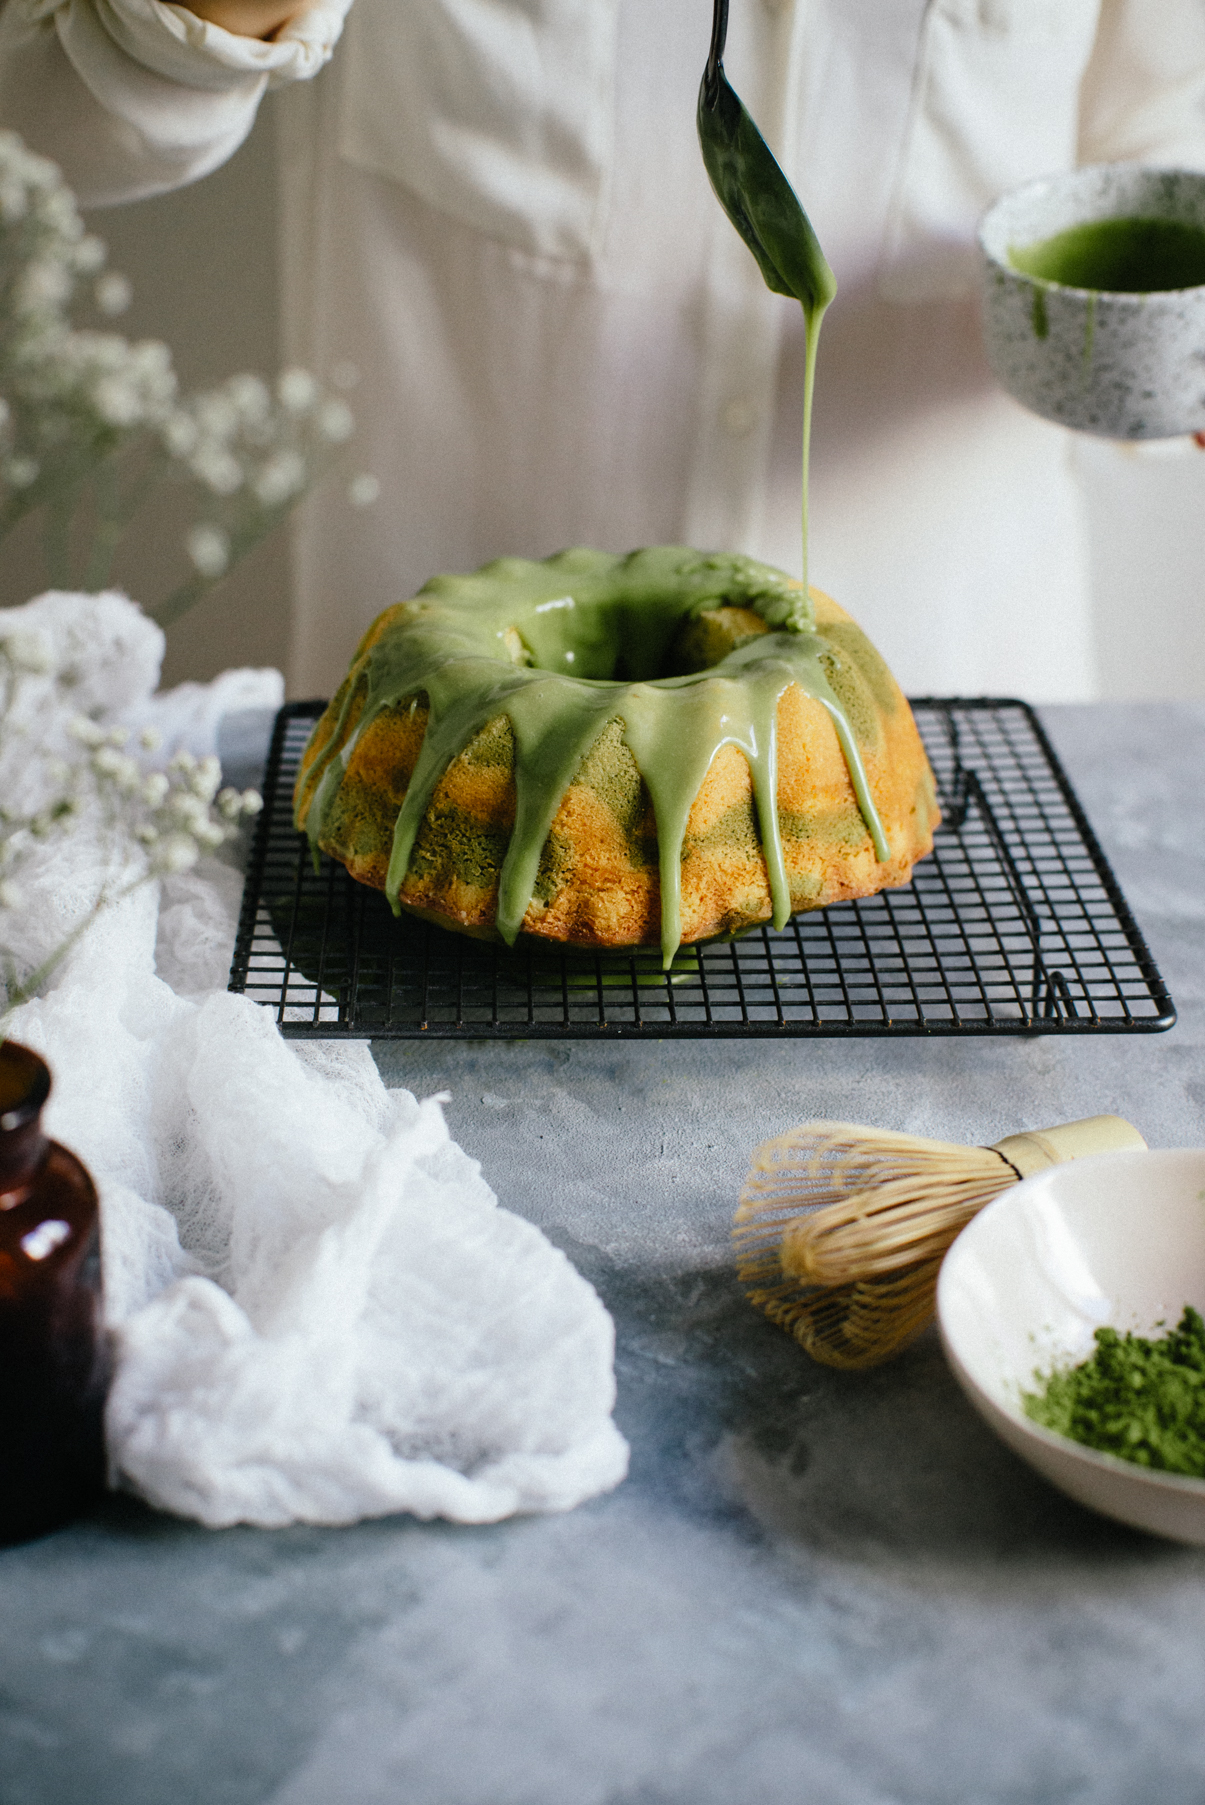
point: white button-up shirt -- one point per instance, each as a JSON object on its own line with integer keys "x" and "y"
{"x": 496, "y": 211}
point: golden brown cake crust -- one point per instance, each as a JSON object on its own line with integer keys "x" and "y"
{"x": 598, "y": 883}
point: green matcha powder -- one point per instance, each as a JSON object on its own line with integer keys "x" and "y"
{"x": 1140, "y": 1400}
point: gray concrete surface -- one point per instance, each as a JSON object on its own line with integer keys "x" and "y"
{"x": 814, "y": 1587}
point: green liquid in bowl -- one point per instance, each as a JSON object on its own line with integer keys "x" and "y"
{"x": 1120, "y": 256}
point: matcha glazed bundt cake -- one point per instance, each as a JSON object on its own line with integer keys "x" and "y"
{"x": 618, "y": 752}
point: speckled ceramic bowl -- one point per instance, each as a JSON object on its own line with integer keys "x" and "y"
{"x": 1125, "y": 366}
{"x": 1118, "y": 1239}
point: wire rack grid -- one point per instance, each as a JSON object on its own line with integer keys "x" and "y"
{"x": 1014, "y": 925}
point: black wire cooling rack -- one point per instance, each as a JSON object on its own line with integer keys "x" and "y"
{"x": 1014, "y": 925}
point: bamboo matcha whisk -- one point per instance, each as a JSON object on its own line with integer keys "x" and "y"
{"x": 841, "y": 1230}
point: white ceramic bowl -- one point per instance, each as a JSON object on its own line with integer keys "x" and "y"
{"x": 1115, "y": 1239}
{"x": 1125, "y": 366}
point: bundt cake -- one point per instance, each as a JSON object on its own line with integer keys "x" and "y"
{"x": 617, "y": 752}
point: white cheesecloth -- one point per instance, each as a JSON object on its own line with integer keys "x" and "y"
{"x": 319, "y": 1312}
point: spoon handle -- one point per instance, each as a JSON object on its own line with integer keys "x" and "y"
{"x": 715, "y": 56}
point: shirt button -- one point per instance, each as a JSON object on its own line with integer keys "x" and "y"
{"x": 739, "y": 417}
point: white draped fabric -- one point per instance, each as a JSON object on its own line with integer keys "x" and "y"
{"x": 318, "y": 1310}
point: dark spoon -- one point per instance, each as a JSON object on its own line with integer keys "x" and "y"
{"x": 765, "y": 210}
{"x": 752, "y": 189}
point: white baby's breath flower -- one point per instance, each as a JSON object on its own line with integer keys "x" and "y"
{"x": 363, "y": 490}
{"x": 118, "y": 767}
{"x": 85, "y": 731}
{"x": 14, "y": 202}
{"x": 118, "y": 736}
{"x": 180, "y": 433}
{"x": 28, "y": 650}
{"x": 252, "y": 802}
{"x": 43, "y": 285}
{"x": 112, "y": 291}
{"x": 217, "y": 468}
{"x": 145, "y": 834}
{"x": 155, "y": 789}
{"x": 178, "y": 852}
{"x": 150, "y": 364}
{"x": 206, "y": 778}
{"x": 336, "y": 421}
{"x": 183, "y": 760}
{"x": 188, "y": 810}
{"x": 59, "y": 211}
{"x": 251, "y": 397}
{"x": 150, "y": 739}
{"x": 209, "y": 548}
{"x": 210, "y": 834}
{"x": 118, "y": 401}
{"x": 90, "y": 254}
{"x": 297, "y": 391}
{"x": 282, "y": 477}
{"x": 37, "y": 172}
{"x": 229, "y": 803}
{"x": 20, "y": 471}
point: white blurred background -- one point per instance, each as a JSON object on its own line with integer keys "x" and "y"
{"x": 204, "y": 269}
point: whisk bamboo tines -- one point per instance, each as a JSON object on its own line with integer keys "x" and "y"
{"x": 841, "y": 1229}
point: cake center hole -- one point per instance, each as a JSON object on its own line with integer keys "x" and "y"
{"x": 626, "y": 641}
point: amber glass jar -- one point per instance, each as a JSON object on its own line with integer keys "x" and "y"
{"x": 53, "y": 1365}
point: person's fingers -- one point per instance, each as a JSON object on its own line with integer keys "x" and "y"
{"x": 247, "y": 18}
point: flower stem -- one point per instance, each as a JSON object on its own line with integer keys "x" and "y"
{"x": 56, "y": 538}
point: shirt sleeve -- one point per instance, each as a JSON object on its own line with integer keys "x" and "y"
{"x": 1143, "y": 95}
{"x": 132, "y": 97}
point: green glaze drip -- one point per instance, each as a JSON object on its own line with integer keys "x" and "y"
{"x": 1121, "y": 256}
{"x": 812, "y": 316}
{"x": 564, "y": 646}
{"x": 324, "y": 795}
{"x": 1041, "y": 323}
